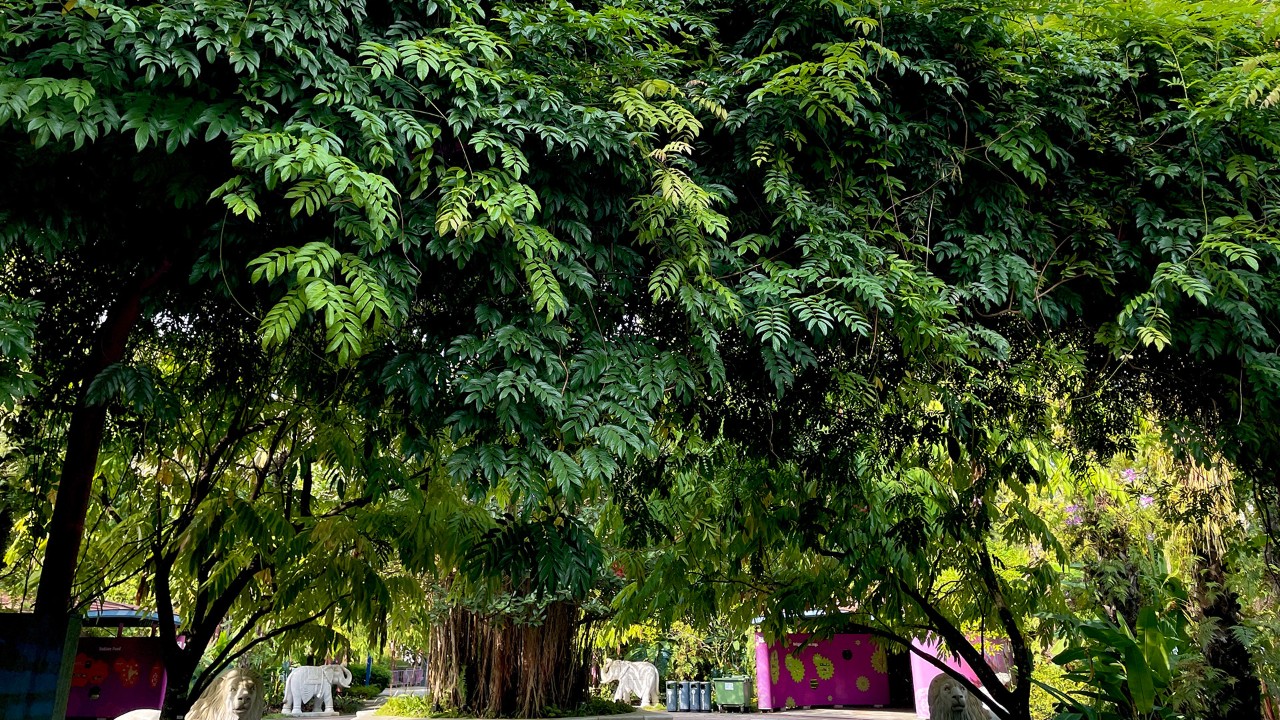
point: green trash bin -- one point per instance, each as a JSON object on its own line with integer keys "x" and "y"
{"x": 732, "y": 692}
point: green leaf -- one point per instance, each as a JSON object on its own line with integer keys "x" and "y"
{"x": 1152, "y": 640}
{"x": 1139, "y": 678}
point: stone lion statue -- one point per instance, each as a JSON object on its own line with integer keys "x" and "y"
{"x": 949, "y": 700}
{"x": 312, "y": 681}
{"x": 634, "y": 678}
{"x": 236, "y": 694}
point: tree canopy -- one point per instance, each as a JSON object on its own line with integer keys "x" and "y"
{"x": 903, "y": 255}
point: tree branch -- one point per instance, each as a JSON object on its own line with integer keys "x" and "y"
{"x": 236, "y": 431}
{"x": 244, "y": 629}
{"x": 210, "y": 672}
{"x": 204, "y": 626}
{"x": 1017, "y": 642}
{"x": 961, "y": 646}
{"x": 911, "y": 647}
{"x": 349, "y": 505}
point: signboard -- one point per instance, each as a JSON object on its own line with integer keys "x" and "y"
{"x": 112, "y": 676}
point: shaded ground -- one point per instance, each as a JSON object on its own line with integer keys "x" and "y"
{"x": 812, "y": 714}
{"x": 848, "y": 713}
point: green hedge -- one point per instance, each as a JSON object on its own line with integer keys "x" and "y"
{"x": 381, "y": 676}
{"x": 363, "y": 692}
{"x": 417, "y": 706}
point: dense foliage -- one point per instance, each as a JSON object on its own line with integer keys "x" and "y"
{"x": 417, "y": 286}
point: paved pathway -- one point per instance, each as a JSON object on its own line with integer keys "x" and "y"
{"x": 810, "y": 714}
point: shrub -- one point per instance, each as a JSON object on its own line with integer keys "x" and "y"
{"x": 1044, "y": 705}
{"x": 407, "y": 706}
{"x": 347, "y": 705}
{"x": 362, "y": 692}
{"x": 380, "y": 675}
{"x": 600, "y": 706}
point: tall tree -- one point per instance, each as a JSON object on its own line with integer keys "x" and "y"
{"x": 891, "y": 506}
{"x": 310, "y": 123}
{"x": 248, "y": 498}
{"x": 1002, "y": 215}
{"x": 311, "y": 127}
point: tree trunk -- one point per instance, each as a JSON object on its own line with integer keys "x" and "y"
{"x": 180, "y": 663}
{"x": 66, "y": 529}
{"x": 496, "y": 666}
{"x": 84, "y": 440}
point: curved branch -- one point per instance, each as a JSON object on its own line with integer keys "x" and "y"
{"x": 213, "y": 669}
{"x": 931, "y": 659}
{"x": 960, "y": 645}
{"x": 1017, "y": 642}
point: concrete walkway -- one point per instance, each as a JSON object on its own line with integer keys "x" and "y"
{"x": 407, "y": 690}
{"x": 831, "y": 714}
{"x": 810, "y": 714}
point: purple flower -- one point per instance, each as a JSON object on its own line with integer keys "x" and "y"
{"x": 1145, "y": 501}
{"x": 1129, "y": 475}
{"x": 1073, "y": 515}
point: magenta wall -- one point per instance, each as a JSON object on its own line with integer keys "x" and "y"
{"x": 112, "y": 676}
{"x": 841, "y": 670}
{"x": 923, "y": 672}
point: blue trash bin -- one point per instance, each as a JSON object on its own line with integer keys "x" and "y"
{"x": 686, "y": 689}
{"x": 673, "y": 690}
{"x": 705, "y": 696}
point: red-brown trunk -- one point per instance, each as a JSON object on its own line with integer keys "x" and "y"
{"x": 84, "y": 440}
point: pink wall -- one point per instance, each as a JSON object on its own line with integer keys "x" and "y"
{"x": 115, "y": 675}
{"x": 841, "y": 670}
{"x": 923, "y": 672}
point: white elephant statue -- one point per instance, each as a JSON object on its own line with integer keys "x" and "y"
{"x": 634, "y": 678}
{"x": 311, "y": 681}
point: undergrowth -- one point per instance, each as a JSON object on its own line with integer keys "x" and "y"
{"x": 419, "y": 706}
